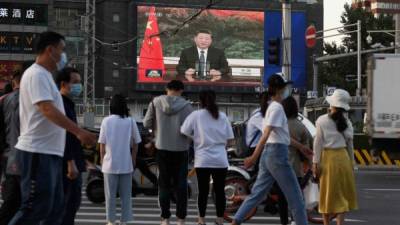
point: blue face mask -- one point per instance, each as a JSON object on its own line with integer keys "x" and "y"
{"x": 286, "y": 93}
{"x": 63, "y": 61}
{"x": 76, "y": 90}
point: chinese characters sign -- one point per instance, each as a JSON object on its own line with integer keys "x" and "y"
{"x": 14, "y": 42}
{"x": 26, "y": 14}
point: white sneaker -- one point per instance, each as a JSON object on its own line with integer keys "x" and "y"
{"x": 164, "y": 221}
{"x": 293, "y": 223}
{"x": 110, "y": 223}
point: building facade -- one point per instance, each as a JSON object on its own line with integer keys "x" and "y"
{"x": 378, "y": 7}
{"x": 115, "y": 66}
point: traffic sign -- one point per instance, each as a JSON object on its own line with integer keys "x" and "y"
{"x": 312, "y": 94}
{"x": 311, "y": 36}
{"x": 330, "y": 90}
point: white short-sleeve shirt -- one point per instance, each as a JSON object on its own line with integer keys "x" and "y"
{"x": 37, "y": 133}
{"x": 210, "y": 137}
{"x": 276, "y": 118}
{"x": 118, "y": 134}
{"x": 254, "y": 129}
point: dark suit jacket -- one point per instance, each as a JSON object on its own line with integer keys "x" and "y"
{"x": 190, "y": 56}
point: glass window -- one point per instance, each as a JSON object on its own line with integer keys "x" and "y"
{"x": 68, "y": 18}
{"x": 75, "y": 47}
{"x": 115, "y": 17}
{"x": 115, "y": 73}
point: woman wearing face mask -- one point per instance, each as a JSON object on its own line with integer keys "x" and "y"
{"x": 274, "y": 164}
{"x": 334, "y": 159}
{"x": 68, "y": 81}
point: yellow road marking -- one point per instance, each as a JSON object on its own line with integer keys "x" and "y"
{"x": 369, "y": 159}
{"x": 386, "y": 158}
{"x": 359, "y": 157}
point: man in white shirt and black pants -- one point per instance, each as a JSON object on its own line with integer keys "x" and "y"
{"x": 42, "y": 136}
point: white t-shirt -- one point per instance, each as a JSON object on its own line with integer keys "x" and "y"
{"x": 38, "y": 134}
{"x": 254, "y": 127}
{"x": 276, "y": 118}
{"x": 210, "y": 137}
{"x": 118, "y": 134}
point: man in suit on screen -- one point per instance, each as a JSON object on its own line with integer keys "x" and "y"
{"x": 202, "y": 62}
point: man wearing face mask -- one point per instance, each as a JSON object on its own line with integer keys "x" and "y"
{"x": 41, "y": 143}
{"x": 68, "y": 81}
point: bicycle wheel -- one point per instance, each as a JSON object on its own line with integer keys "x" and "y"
{"x": 236, "y": 190}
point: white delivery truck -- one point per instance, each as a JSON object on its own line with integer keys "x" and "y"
{"x": 383, "y": 105}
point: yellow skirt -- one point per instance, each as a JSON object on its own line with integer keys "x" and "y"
{"x": 337, "y": 183}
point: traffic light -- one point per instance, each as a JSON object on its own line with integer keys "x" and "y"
{"x": 274, "y": 51}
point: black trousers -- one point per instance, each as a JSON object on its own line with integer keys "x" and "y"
{"x": 144, "y": 169}
{"x": 72, "y": 199}
{"x": 203, "y": 179}
{"x": 172, "y": 179}
{"x": 11, "y": 197}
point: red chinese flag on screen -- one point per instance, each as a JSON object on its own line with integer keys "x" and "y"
{"x": 151, "y": 62}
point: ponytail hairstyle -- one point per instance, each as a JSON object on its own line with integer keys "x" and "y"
{"x": 339, "y": 119}
{"x": 118, "y": 106}
{"x": 208, "y": 102}
{"x": 264, "y": 98}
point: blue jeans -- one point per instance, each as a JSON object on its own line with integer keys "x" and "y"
{"x": 41, "y": 189}
{"x": 274, "y": 166}
{"x": 72, "y": 199}
{"x": 123, "y": 184}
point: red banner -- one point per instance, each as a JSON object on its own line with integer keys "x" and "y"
{"x": 151, "y": 61}
{"x": 7, "y": 69}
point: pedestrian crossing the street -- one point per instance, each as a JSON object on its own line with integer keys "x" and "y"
{"x": 147, "y": 212}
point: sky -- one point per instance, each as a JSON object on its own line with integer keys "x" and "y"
{"x": 333, "y": 9}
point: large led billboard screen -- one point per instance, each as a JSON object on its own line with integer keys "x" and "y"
{"x": 218, "y": 47}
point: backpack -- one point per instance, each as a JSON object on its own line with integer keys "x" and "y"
{"x": 239, "y": 130}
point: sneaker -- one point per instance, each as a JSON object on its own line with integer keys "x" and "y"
{"x": 110, "y": 223}
{"x": 164, "y": 221}
{"x": 180, "y": 222}
{"x": 293, "y": 223}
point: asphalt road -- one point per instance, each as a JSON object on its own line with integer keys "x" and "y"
{"x": 378, "y": 194}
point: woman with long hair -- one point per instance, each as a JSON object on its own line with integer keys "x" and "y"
{"x": 210, "y": 130}
{"x": 119, "y": 138}
{"x": 334, "y": 159}
{"x": 298, "y": 132}
{"x": 274, "y": 164}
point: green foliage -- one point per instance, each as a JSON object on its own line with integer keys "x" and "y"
{"x": 333, "y": 72}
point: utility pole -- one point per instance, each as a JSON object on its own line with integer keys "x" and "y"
{"x": 287, "y": 38}
{"x": 89, "y": 73}
{"x": 397, "y": 33}
{"x": 315, "y": 73}
{"x": 359, "y": 87}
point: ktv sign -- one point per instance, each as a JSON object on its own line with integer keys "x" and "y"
{"x": 14, "y": 42}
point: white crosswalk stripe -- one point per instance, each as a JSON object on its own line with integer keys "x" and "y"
{"x": 146, "y": 212}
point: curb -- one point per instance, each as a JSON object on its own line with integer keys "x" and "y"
{"x": 377, "y": 168}
{"x": 363, "y": 158}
